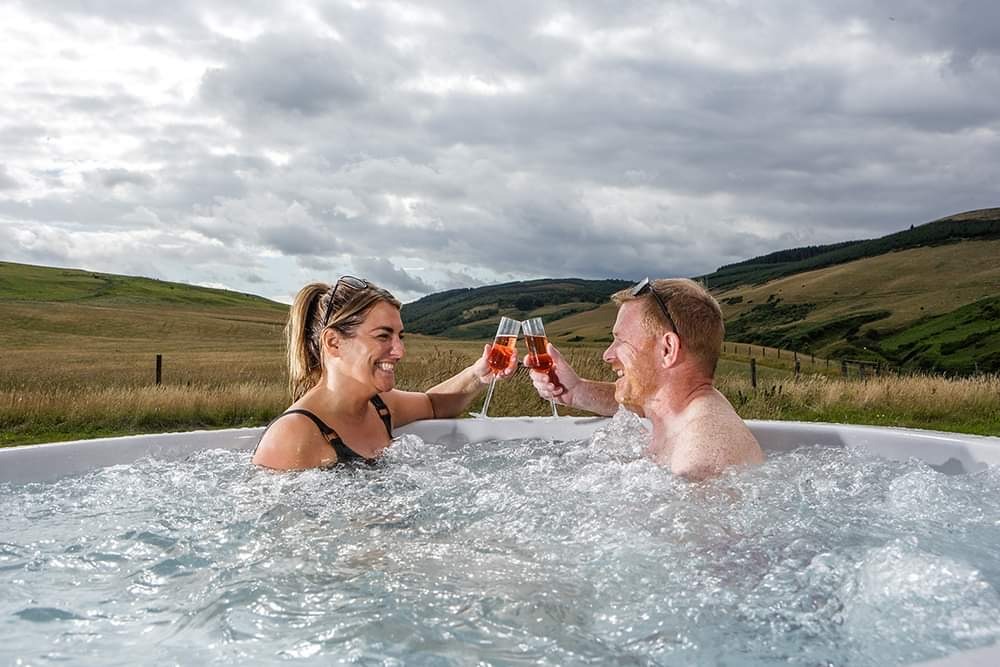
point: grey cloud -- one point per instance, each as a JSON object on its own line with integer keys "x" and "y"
{"x": 456, "y": 279}
{"x": 388, "y": 275}
{"x": 328, "y": 268}
{"x": 20, "y": 135}
{"x": 297, "y": 240}
{"x": 7, "y": 182}
{"x": 965, "y": 29}
{"x": 93, "y": 104}
{"x": 618, "y": 151}
{"x": 287, "y": 74}
{"x": 110, "y": 178}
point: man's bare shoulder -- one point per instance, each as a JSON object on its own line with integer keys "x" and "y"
{"x": 714, "y": 437}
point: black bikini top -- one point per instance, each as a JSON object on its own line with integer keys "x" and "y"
{"x": 344, "y": 453}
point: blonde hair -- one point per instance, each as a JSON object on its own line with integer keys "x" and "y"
{"x": 696, "y": 315}
{"x": 318, "y": 307}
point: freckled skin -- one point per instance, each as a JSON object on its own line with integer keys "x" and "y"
{"x": 696, "y": 432}
{"x": 702, "y": 440}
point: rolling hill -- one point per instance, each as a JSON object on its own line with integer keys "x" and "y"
{"x": 925, "y": 298}
{"x": 42, "y": 306}
{"x": 870, "y": 309}
{"x": 473, "y": 312}
{"x": 982, "y": 224}
{"x": 859, "y": 300}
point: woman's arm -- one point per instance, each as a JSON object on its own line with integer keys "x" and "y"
{"x": 447, "y": 399}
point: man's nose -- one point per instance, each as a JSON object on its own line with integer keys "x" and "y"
{"x": 608, "y": 355}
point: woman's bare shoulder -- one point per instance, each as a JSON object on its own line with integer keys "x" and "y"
{"x": 294, "y": 442}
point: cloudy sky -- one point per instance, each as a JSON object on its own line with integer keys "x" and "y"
{"x": 259, "y": 145}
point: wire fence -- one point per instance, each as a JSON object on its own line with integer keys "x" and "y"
{"x": 807, "y": 363}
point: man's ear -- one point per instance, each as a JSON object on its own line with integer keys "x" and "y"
{"x": 669, "y": 348}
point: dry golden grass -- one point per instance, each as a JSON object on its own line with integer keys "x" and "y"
{"x": 76, "y": 393}
{"x": 970, "y": 405}
{"x": 88, "y": 394}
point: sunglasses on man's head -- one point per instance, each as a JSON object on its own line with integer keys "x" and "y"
{"x": 350, "y": 281}
{"x": 644, "y": 286}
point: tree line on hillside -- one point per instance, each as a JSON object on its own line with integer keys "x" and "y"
{"x": 796, "y": 260}
{"x": 442, "y": 313}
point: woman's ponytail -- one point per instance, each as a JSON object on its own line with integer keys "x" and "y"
{"x": 301, "y": 340}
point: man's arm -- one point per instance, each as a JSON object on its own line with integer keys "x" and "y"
{"x": 563, "y": 385}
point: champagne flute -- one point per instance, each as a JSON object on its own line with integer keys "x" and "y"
{"x": 538, "y": 354}
{"x": 500, "y": 353}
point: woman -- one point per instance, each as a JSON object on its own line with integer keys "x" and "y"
{"x": 344, "y": 341}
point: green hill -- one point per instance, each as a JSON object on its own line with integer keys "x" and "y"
{"x": 922, "y": 308}
{"x": 972, "y": 225}
{"x": 922, "y": 298}
{"x": 24, "y": 282}
{"x": 67, "y": 309}
{"x": 473, "y": 312}
{"x": 851, "y": 300}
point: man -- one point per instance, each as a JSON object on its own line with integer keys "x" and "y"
{"x": 667, "y": 340}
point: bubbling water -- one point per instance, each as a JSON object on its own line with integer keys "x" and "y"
{"x": 517, "y": 551}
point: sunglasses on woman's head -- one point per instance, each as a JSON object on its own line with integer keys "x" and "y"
{"x": 350, "y": 281}
{"x": 644, "y": 286}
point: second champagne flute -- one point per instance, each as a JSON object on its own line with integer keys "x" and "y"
{"x": 538, "y": 354}
{"x": 500, "y": 354}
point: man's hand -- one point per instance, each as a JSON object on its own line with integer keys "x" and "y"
{"x": 557, "y": 383}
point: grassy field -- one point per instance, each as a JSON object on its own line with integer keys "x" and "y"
{"x": 81, "y": 364}
{"x": 89, "y": 393}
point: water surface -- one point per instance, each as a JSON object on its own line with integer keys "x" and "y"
{"x": 512, "y": 552}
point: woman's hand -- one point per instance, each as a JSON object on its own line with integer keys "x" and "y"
{"x": 481, "y": 369}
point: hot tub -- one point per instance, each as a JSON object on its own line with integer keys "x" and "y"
{"x": 171, "y": 547}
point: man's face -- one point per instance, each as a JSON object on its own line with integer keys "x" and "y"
{"x": 631, "y": 356}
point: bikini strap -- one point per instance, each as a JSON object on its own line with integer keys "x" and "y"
{"x": 320, "y": 424}
{"x": 383, "y": 413}
{"x": 344, "y": 453}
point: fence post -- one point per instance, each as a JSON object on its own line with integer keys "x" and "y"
{"x": 753, "y": 372}
{"x": 843, "y": 368}
{"x": 159, "y": 368}
{"x": 796, "y": 369}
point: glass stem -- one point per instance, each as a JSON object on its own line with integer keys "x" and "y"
{"x": 489, "y": 395}
{"x": 555, "y": 413}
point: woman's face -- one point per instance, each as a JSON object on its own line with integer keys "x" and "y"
{"x": 370, "y": 357}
